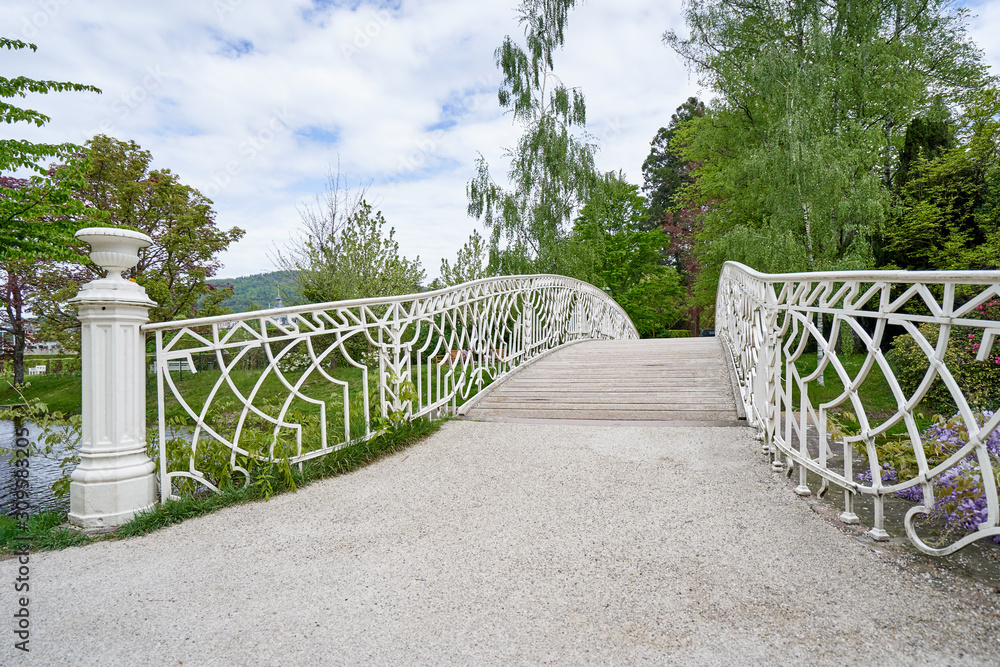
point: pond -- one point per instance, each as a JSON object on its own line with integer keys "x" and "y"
{"x": 43, "y": 472}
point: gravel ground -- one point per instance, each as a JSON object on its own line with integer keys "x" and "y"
{"x": 503, "y": 543}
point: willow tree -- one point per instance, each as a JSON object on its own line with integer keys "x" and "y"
{"x": 798, "y": 151}
{"x": 551, "y": 168}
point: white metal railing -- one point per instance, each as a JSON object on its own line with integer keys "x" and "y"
{"x": 428, "y": 352}
{"x": 767, "y": 321}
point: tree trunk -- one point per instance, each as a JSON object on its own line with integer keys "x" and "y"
{"x": 809, "y": 238}
{"x": 695, "y": 322}
{"x": 19, "y": 345}
{"x": 12, "y": 294}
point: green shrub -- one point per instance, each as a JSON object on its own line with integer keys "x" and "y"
{"x": 979, "y": 380}
{"x": 674, "y": 333}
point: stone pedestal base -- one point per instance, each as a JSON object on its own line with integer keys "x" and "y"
{"x": 97, "y": 503}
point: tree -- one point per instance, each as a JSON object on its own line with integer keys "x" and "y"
{"x": 369, "y": 263}
{"x": 551, "y": 169}
{"x": 948, "y": 212}
{"x": 343, "y": 251}
{"x": 470, "y": 264}
{"x": 24, "y": 285}
{"x": 312, "y": 255}
{"x": 38, "y": 215}
{"x": 796, "y": 157}
{"x": 122, "y": 190}
{"x": 665, "y": 170}
{"x": 926, "y": 136}
{"x": 611, "y": 232}
{"x": 682, "y": 226}
{"x": 179, "y": 219}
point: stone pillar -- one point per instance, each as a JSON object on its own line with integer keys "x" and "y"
{"x": 115, "y": 479}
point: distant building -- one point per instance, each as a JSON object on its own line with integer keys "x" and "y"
{"x": 46, "y": 347}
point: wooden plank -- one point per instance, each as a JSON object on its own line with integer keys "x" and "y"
{"x": 608, "y": 415}
{"x": 662, "y": 380}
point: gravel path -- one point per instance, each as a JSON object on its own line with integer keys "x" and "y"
{"x": 505, "y": 543}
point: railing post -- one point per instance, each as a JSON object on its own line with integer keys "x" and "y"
{"x": 115, "y": 478}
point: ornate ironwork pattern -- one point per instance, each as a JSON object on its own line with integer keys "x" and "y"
{"x": 766, "y": 323}
{"x": 345, "y": 370}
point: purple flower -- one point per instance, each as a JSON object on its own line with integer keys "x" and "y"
{"x": 960, "y": 498}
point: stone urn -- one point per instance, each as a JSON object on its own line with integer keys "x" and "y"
{"x": 115, "y": 250}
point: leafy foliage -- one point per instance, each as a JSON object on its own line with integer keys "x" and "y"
{"x": 612, "y": 233}
{"x": 470, "y": 264}
{"x": 26, "y": 285}
{"x": 796, "y": 157}
{"x": 344, "y": 252}
{"x": 960, "y": 498}
{"x": 948, "y": 211}
{"x": 59, "y": 437}
{"x": 926, "y": 136}
{"x": 979, "y": 380}
{"x": 665, "y": 170}
{"x": 38, "y": 215}
{"x": 361, "y": 261}
{"x": 179, "y": 219}
{"x": 551, "y": 169}
{"x": 667, "y": 173}
{"x": 125, "y": 192}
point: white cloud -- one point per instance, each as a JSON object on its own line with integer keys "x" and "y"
{"x": 983, "y": 29}
{"x": 251, "y": 100}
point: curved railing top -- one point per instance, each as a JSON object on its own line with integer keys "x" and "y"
{"x": 385, "y": 300}
{"x": 942, "y": 326}
{"x": 882, "y": 275}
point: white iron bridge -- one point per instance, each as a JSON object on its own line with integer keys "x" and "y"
{"x": 297, "y": 383}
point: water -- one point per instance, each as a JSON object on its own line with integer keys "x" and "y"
{"x": 42, "y": 473}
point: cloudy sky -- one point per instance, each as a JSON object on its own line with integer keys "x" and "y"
{"x": 252, "y": 101}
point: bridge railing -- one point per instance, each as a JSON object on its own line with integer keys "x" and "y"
{"x": 767, "y": 322}
{"x": 291, "y": 384}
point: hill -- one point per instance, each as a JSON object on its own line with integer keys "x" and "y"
{"x": 258, "y": 291}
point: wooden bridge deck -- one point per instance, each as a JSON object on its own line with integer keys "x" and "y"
{"x": 662, "y": 380}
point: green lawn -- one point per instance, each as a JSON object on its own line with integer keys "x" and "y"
{"x": 874, "y": 391}
{"x": 60, "y": 392}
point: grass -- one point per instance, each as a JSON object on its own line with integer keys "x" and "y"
{"x": 874, "y": 392}
{"x": 60, "y": 392}
{"x": 195, "y": 388}
{"x": 45, "y": 531}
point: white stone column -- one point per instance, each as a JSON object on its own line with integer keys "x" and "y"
{"x": 115, "y": 479}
